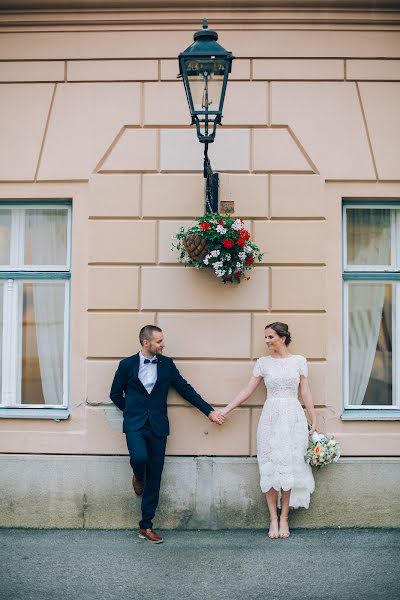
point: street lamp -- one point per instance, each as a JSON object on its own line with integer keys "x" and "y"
{"x": 204, "y": 68}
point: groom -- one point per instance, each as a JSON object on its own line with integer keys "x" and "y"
{"x": 140, "y": 390}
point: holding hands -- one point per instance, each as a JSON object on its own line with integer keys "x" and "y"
{"x": 217, "y": 417}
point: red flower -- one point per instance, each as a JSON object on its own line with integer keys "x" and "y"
{"x": 221, "y": 222}
{"x": 228, "y": 243}
{"x": 241, "y": 242}
{"x": 238, "y": 274}
{"x": 249, "y": 260}
{"x": 204, "y": 226}
{"x": 244, "y": 234}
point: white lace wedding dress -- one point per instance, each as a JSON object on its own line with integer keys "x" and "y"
{"x": 282, "y": 434}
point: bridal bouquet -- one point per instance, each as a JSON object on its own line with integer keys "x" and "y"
{"x": 219, "y": 241}
{"x": 322, "y": 450}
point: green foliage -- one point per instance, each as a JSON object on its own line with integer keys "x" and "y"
{"x": 231, "y": 253}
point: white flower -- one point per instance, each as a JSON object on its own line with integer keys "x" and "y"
{"x": 221, "y": 229}
{"x": 247, "y": 249}
{"x": 214, "y": 253}
{"x": 316, "y": 437}
{"x": 237, "y": 225}
{"x": 228, "y": 257}
{"x": 238, "y": 265}
{"x": 230, "y": 272}
{"x": 219, "y": 273}
{"x": 206, "y": 259}
{"x": 218, "y": 264}
{"x": 242, "y": 255}
{"x": 185, "y": 258}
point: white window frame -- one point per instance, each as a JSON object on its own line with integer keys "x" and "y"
{"x": 374, "y": 273}
{"x": 13, "y": 276}
{"x": 395, "y": 232}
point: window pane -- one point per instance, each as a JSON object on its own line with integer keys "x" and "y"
{"x": 370, "y": 343}
{"x": 46, "y": 236}
{"x": 42, "y": 343}
{"x": 368, "y": 236}
{"x": 5, "y": 230}
{"x": 1, "y": 336}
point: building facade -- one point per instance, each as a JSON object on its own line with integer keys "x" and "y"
{"x": 99, "y": 168}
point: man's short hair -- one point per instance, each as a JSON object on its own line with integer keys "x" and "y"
{"x": 146, "y": 333}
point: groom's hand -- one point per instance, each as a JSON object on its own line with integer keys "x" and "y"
{"x": 216, "y": 417}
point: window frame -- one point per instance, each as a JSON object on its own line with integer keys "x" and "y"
{"x": 19, "y": 274}
{"x": 373, "y": 273}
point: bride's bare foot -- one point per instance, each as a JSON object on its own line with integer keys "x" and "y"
{"x": 284, "y": 527}
{"x": 273, "y": 532}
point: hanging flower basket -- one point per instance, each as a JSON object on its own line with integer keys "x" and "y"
{"x": 218, "y": 241}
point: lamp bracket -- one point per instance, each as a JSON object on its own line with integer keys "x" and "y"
{"x": 211, "y": 184}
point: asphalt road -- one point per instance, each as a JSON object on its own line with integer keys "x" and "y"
{"x": 323, "y": 564}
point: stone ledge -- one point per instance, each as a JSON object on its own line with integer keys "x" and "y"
{"x": 94, "y": 492}
{"x": 56, "y": 5}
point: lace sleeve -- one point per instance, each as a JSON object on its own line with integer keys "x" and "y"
{"x": 257, "y": 371}
{"x": 303, "y": 367}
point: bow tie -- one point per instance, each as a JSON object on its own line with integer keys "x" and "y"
{"x": 152, "y": 362}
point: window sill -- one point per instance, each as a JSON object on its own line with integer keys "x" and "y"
{"x": 371, "y": 415}
{"x": 56, "y": 414}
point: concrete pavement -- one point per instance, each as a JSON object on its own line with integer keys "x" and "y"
{"x": 328, "y": 564}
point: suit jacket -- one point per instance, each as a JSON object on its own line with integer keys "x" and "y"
{"x": 130, "y": 395}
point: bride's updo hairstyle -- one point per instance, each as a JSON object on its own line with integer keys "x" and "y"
{"x": 282, "y": 330}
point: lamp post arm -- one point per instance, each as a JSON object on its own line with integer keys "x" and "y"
{"x": 211, "y": 184}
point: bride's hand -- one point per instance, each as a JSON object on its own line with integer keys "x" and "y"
{"x": 313, "y": 430}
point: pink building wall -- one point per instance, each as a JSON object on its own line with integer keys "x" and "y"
{"x": 90, "y": 110}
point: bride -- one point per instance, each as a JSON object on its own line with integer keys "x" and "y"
{"x": 282, "y": 433}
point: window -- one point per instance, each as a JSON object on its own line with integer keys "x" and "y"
{"x": 371, "y": 309}
{"x": 34, "y": 308}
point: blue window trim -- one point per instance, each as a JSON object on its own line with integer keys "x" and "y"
{"x": 384, "y": 203}
{"x": 25, "y": 201}
{"x": 365, "y": 414}
{"x": 26, "y": 275}
{"x": 371, "y": 276}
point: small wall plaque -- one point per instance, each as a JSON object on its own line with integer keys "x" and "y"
{"x": 227, "y": 206}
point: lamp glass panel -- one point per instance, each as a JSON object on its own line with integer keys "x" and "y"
{"x": 206, "y": 78}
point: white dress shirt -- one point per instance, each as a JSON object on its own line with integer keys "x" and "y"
{"x": 147, "y": 373}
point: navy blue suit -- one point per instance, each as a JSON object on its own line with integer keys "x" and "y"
{"x": 146, "y": 423}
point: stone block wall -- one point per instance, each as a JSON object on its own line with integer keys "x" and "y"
{"x": 96, "y": 116}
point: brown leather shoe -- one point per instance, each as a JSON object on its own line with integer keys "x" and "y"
{"x": 150, "y": 536}
{"x": 138, "y": 486}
